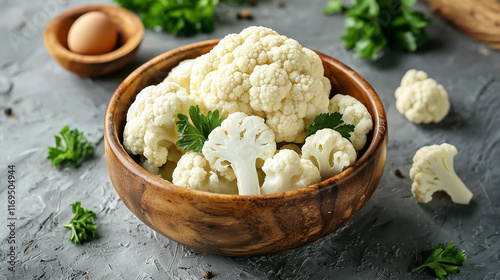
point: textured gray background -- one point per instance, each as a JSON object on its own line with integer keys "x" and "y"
{"x": 389, "y": 236}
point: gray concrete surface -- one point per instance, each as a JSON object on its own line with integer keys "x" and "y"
{"x": 389, "y": 236}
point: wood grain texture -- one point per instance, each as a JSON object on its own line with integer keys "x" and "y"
{"x": 479, "y": 19}
{"x": 130, "y": 34}
{"x": 236, "y": 225}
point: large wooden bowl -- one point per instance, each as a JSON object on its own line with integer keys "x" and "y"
{"x": 130, "y": 34}
{"x": 242, "y": 225}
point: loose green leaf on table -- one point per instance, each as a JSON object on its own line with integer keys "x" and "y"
{"x": 71, "y": 148}
{"x": 372, "y": 25}
{"x": 333, "y": 121}
{"x": 333, "y": 6}
{"x": 192, "y": 135}
{"x": 444, "y": 260}
{"x": 82, "y": 225}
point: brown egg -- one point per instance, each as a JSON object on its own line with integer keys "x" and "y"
{"x": 92, "y": 33}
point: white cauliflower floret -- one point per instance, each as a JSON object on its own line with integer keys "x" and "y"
{"x": 421, "y": 99}
{"x": 237, "y": 144}
{"x": 150, "y": 129}
{"x": 193, "y": 171}
{"x": 329, "y": 152}
{"x": 180, "y": 74}
{"x": 287, "y": 171}
{"x": 259, "y": 72}
{"x": 355, "y": 113}
{"x": 432, "y": 171}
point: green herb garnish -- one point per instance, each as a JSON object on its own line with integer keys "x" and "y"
{"x": 333, "y": 121}
{"x": 444, "y": 260}
{"x": 82, "y": 225}
{"x": 373, "y": 24}
{"x": 193, "y": 136}
{"x": 180, "y": 17}
{"x": 71, "y": 148}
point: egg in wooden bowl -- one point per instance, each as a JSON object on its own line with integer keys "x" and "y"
{"x": 94, "y": 40}
{"x": 242, "y": 225}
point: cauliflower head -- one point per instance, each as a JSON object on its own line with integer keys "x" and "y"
{"x": 286, "y": 171}
{"x": 193, "y": 171}
{"x": 329, "y": 152}
{"x": 421, "y": 99}
{"x": 180, "y": 74}
{"x": 150, "y": 129}
{"x": 259, "y": 72}
{"x": 355, "y": 113}
{"x": 433, "y": 171}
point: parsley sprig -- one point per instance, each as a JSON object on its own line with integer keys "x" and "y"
{"x": 333, "y": 121}
{"x": 82, "y": 225}
{"x": 444, "y": 260}
{"x": 373, "y": 24}
{"x": 192, "y": 135}
{"x": 71, "y": 148}
{"x": 178, "y": 17}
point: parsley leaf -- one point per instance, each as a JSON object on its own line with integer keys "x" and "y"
{"x": 372, "y": 25}
{"x": 333, "y": 121}
{"x": 82, "y": 225}
{"x": 193, "y": 136}
{"x": 71, "y": 148}
{"x": 444, "y": 260}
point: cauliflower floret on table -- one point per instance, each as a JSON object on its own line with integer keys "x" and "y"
{"x": 237, "y": 145}
{"x": 329, "y": 152}
{"x": 355, "y": 113}
{"x": 259, "y": 72}
{"x": 180, "y": 74}
{"x": 287, "y": 171}
{"x": 193, "y": 171}
{"x": 150, "y": 129}
{"x": 421, "y": 99}
{"x": 433, "y": 171}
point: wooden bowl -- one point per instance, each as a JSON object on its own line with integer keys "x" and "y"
{"x": 130, "y": 33}
{"x": 236, "y": 225}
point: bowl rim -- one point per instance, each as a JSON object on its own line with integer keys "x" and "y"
{"x": 111, "y": 135}
{"x": 54, "y": 46}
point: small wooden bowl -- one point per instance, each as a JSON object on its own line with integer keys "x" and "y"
{"x": 236, "y": 225}
{"x": 130, "y": 33}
